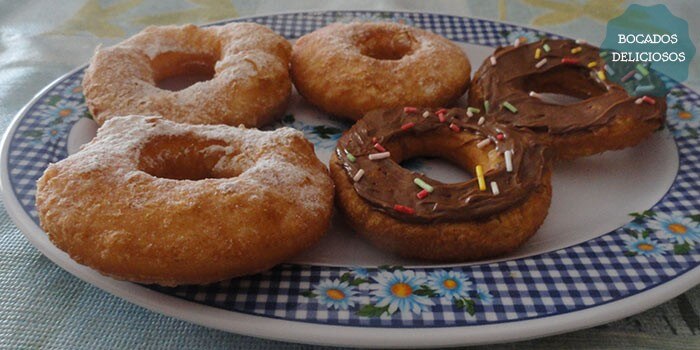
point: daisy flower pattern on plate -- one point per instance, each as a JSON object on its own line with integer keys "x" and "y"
{"x": 524, "y": 37}
{"x": 397, "y": 291}
{"x": 645, "y": 246}
{"x": 483, "y": 295}
{"x": 676, "y": 229}
{"x": 335, "y": 294}
{"x": 684, "y": 119}
{"x": 450, "y": 284}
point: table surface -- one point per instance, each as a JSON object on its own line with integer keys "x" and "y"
{"x": 43, "y": 306}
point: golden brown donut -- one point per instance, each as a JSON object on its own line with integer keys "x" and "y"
{"x": 248, "y": 65}
{"x": 152, "y": 201}
{"x": 603, "y": 116}
{"x": 349, "y": 69}
{"x": 458, "y": 222}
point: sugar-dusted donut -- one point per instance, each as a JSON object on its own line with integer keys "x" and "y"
{"x": 248, "y": 65}
{"x": 349, "y": 69}
{"x": 153, "y": 201}
{"x": 418, "y": 217}
{"x": 597, "y": 113}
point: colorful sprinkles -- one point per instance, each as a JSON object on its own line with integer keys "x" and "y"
{"x": 483, "y": 143}
{"x": 509, "y": 160}
{"x": 407, "y": 126}
{"x": 509, "y": 107}
{"x": 350, "y": 157}
{"x": 541, "y": 63}
{"x": 480, "y": 177}
{"x": 379, "y": 147}
{"x": 576, "y": 50}
{"x": 358, "y": 175}
{"x": 494, "y": 188}
{"x": 493, "y": 60}
{"x": 546, "y": 48}
{"x": 378, "y": 156}
{"x": 410, "y": 109}
{"x": 422, "y": 184}
{"x": 404, "y": 209}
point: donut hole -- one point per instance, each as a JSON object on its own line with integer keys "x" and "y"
{"x": 185, "y": 157}
{"x": 383, "y": 44}
{"x": 562, "y": 85}
{"x": 176, "y": 71}
{"x": 448, "y": 153}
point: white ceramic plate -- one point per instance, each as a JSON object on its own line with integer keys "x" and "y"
{"x": 589, "y": 264}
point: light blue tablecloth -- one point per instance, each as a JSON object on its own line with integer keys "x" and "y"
{"x": 42, "y": 306}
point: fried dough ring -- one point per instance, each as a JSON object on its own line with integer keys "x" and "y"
{"x": 349, "y": 69}
{"x": 249, "y": 64}
{"x": 152, "y": 201}
{"x": 606, "y": 118}
{"x": 461, "y": 232}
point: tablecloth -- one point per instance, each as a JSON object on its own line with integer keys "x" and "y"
{"x": 42, "y": 306}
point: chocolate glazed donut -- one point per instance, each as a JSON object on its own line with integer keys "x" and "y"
{"x": 589, "y": 114}
{"x": 419, "y": 217}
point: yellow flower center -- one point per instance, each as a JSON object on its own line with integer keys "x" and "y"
{"x": 77, "y": 89}
{"x": 685, "y": 115}
{"x": 335, "y": 294}
{"x": 645, "y": 247}
{"x": 401, "y": 290}
{"x": 54, "y": 132}
{"x": 449, "y": 284}
{"x": 678, "y": 229}
{"x": 65, "y": 112}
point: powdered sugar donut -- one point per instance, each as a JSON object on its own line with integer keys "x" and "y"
{"x": 248, "y": 65}
{"x": 349, "y": 69}
{"x": 153, "y": 201}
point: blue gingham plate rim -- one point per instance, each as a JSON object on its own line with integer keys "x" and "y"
{"x": 278, "y": 328}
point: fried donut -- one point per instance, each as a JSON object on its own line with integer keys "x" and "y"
{"x": 153, "y": 201}
{"x": 248, "y": 67}
{"x": 597, "y": 113}
{"x": 349, "y": 69}
{"x": 418, "y": 217}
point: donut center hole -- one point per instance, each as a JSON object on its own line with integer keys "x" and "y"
{"x": 440, "y": 156}
{"x": 185, "y": 157}
{"x": 563, "y": 85}
{"x": 386, "y": 45}
{"x": 175, "y": 71}
{"x": 438, "y": 169}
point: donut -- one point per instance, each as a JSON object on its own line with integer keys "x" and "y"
{"x": 153, "y": 201}
{"x": 349, "y": 69}
{"x": 245, "y": 67}
{"x": 414, "y": 216}
{"x": 560, "y": 90}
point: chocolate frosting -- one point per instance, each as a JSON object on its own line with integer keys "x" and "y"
{"x": 407, "y": 134}
{"x": 515, "y": 74}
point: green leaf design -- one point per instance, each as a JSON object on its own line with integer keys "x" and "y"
{"x": 630, "y": 253}
{"x": 681, "y": 249}
{"x": 467, "y": 304}
{"x": 54, "y": 100}
{"x": 309, "y": 294}
{"x": 693, "y": 132}
{"x": 631, "y": 232}
{"x": 372, "y": 311}
{"x": 695, "y": 217}
{"x": 288, "y": 119}
{"x": 33, "y": 133}
{"x": 641, "y": 216}
{"x": 358, "y": 281}
{"x": 88, "y": 115}
{"x": 425, "y": 291}
{"x": 346, "y": 277}
{"x": 677, "y": 92}
{"x": 324, "y": 132}
{"x": 391, "y": 268}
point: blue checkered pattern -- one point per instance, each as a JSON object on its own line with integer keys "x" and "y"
{"x": 589, "y": 274}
